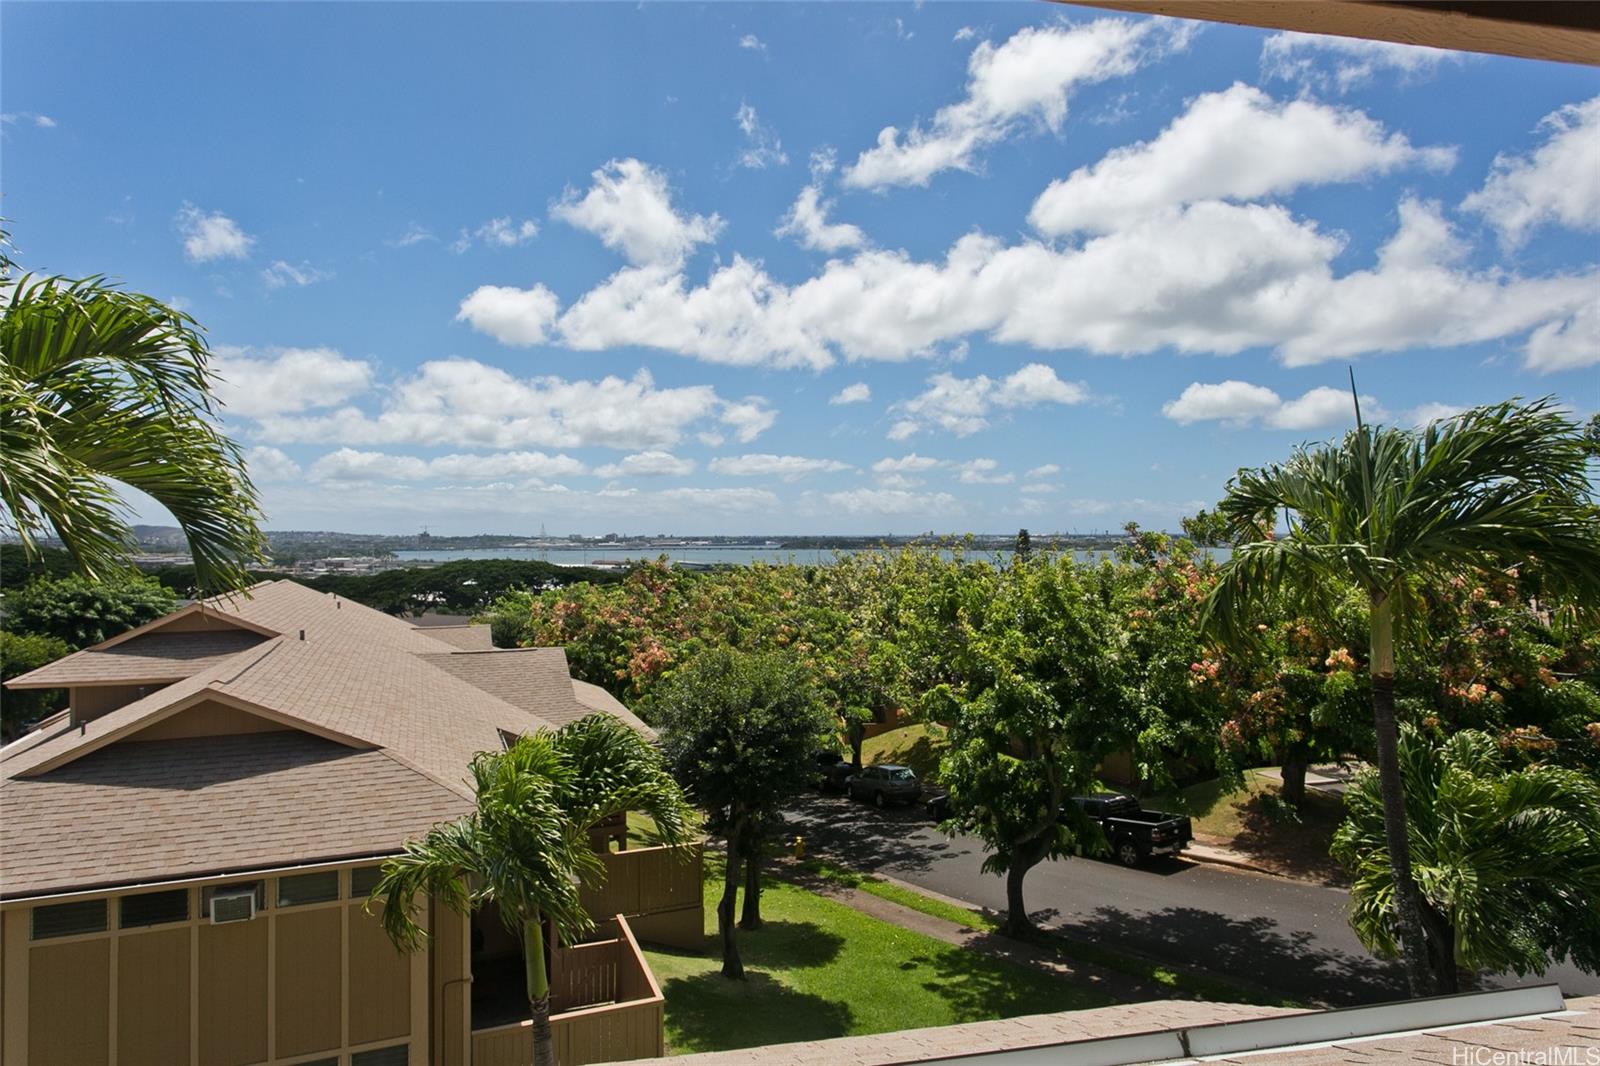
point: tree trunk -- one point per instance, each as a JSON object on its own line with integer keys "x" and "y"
{"x": 750, "y": 917}
{"x": 538, "y": 982}
{"x": 1294, "y": 775}
{"x": 1416, "y": 947}
{"x": 1025, "y": 858}
{"x": 731, "y": 966}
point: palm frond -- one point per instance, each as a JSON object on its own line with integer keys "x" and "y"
{"x": 99, "y": 387}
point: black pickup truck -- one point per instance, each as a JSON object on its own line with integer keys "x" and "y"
{"x": 1136, "y": 834}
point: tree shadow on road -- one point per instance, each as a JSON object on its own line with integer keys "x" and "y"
{"x": 864, "y": 837}
{"x": 1249, "y": 949}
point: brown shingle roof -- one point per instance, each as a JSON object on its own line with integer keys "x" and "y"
{"x": 150, "y": 657}
{"x": 360, "y": 683}
{"x": 594, "y": 698}
{"x": 138, "y": 812}
{"x": 464, "y": 638}
{"x": 535, "y": 679}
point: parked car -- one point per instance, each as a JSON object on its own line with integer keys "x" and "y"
{"x": 1135, "y": 834}
{"x": 884, "y": 785}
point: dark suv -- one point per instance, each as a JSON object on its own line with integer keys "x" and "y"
{"x": 884, "y": 785}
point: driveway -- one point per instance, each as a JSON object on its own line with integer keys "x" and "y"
{"x": 1288, "y": 936}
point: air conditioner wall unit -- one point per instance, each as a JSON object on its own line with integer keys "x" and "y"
{"x": 236, "y": 906}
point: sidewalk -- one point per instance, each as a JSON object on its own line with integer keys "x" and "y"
{"x": 1216, "y": 854}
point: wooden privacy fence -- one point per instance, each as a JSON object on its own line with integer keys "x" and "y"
{"x": 647, "y": 880}
{"x": 622, "y": 1016}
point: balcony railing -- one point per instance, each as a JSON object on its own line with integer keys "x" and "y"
{"x": 609, "y": 1009}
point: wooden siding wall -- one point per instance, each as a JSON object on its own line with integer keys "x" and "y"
{"x": 69, "y": 1010}
{"x": 91, "y": 701}
{"x": 153, "y": 998}
{"x": 582, "y": 975}
{"x": 308, "y": 993}
{"x": 295, "y": 983}
{"x": 659, "y": 886}
{"x": 451, "y": 992}
{"x": 208, "y": 720}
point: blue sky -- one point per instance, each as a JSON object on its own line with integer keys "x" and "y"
{"x": 803, "y": 268}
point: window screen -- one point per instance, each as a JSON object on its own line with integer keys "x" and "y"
{"x": 398, "y": 1055}
{"x": 308, "y": 888}
{"x": 155, "y": 908}
{"x": 69, "y": 919}
{"x": 363, "y": 880}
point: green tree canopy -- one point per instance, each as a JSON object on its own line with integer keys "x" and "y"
{"x": 81, "y": 612}
{"x": 739, "y": 731}
{"x": 20, "y": 653}
{"x": 1051, "y": 692}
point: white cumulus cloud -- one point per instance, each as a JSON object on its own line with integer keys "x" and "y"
{"x": 860, "y": 392}
{"x": 1028, "y": 79}
{"x": 982, "y": 472}
{"x": 807, "y": 222}
{"x": 464, "y": 402}
{"x": 211, "y": 235}
{"x": 963, "y": 406}
{"x": 787, "y": 467}
{"x": 266, "y": 464}
{"x": 1238, "y": 144}
{"x": 1559, "y": 183}
{"x": 282, "y": 273}
{"x": 520, "y": 317}
{"x": 629, "y": 207}
{"x": 647, "y": 464}
{"x": 286, "y": 380}
{"x": 1345, "y": 63}
{"x": 1239, "y": 403}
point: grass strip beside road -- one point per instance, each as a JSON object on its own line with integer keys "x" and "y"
{"x": 1182, "y": 982}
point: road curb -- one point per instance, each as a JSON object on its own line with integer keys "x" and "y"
{"x": 1218, "y": 857}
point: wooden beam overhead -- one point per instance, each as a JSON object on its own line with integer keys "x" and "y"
{"x": 1563, "y": 32}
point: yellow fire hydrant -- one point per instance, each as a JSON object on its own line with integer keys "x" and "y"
{"x": 799, "y": 847}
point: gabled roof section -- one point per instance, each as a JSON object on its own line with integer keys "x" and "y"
{"x": 337, "y": 686}
{"x": 167, "y": 809}
{"x": 183, "y": 613}
{"x": 154, "y": 657}
{"x": 535, "y": 679}
{"x": 287, "y": 607}
{"x": 81, "y": 740}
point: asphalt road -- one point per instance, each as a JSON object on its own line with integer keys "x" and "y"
{"x": 1288, "y": 936}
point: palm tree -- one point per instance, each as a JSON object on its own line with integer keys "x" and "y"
{"x": 100, "y": 386}
{"x": 1395, "y": 510}
{"x": 1512, "y": 856}
{"x": 526, "y": 845}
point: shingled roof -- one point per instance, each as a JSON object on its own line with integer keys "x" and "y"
{"x": 345, "y": 734}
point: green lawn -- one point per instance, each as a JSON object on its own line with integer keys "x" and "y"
{"x": 918, "y": 746}
{"x": 821, "y": 969}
